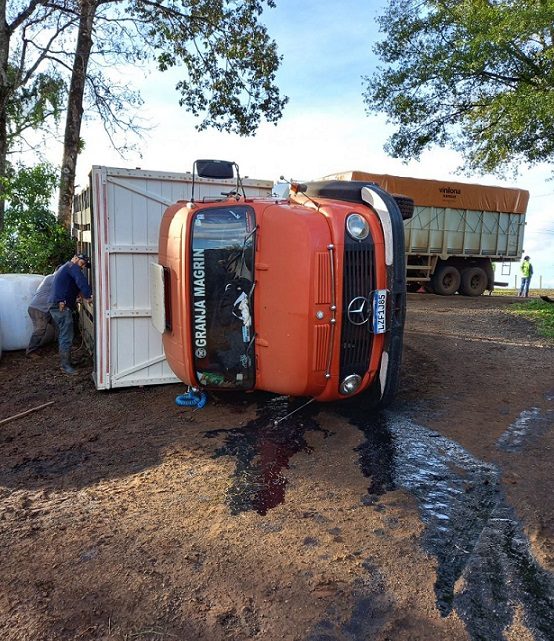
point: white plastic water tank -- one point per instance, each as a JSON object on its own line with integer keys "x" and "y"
{"x": 16, "y": 292}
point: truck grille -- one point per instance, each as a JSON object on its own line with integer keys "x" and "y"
{"x": 358, "y": 282}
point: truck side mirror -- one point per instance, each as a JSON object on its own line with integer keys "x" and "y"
{"x": 220, "y": 169}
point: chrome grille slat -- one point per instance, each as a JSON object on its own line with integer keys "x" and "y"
{"x": 359, "y": 280}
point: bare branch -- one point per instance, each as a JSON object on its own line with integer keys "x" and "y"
{"x": 44, "y": 52}
{"x": 28, "y": 11}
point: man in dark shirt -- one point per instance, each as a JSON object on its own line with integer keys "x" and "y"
{"x": 69, "y": 282}
{"x": 39, "y": 311}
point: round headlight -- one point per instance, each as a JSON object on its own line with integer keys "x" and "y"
{"x": 357, "y": 227}
{"x": 350, "y": 384}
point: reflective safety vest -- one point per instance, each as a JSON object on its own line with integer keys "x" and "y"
{"x": 526, "y": 268}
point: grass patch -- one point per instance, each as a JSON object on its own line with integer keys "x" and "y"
{"x": 505, "y": 291}
{"x": 538, "y": 311}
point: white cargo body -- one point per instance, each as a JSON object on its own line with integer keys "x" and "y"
{"x": 116, "y": 221}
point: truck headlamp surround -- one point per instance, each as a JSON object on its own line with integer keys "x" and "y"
{"x": 357, "y": 227}
{"x": 350, "y": 384}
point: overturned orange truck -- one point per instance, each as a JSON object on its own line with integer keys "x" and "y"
{"x": 303, "y": 296}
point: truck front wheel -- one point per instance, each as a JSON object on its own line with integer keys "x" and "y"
{"x": 446, "y": 280}
{"x": 474, "y": 281}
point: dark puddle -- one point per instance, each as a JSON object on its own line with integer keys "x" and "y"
{"x": 469, "y": 528}
{"x": 485, "y": 570}
{"x": 529, "y": 426}
{"x": 369, "y": 615}
{"x": 263, "y": 450}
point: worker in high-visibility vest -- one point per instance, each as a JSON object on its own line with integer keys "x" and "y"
{"x": 526, "y": 273}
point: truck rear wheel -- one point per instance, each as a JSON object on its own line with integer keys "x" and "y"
{"x": 446, "y": 280}
{"x": 474, "y": 281}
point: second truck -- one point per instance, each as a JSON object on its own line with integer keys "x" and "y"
{"x": 458, "y": 231}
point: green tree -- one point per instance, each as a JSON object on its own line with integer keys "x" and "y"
{"x": 32, "y": 240}
{"x": 31, "y": 89}
{"x": 32, "y": 105}
{"x": 226, "y": 56}
{"x": 54, "y": 49}
{"x": 476, "y": 75}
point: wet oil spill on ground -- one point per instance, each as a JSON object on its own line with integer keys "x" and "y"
{"x": 527, "y": 428}
{"x": 485, "y": 570}
{"x": 469, "y": 527}
{"x": 368, "y": 615}
{"x": 262, "y": 450}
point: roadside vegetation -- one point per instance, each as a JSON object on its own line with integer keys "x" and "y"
{"x": 532, "y": 292}
{"x": 538, "y": 311}
{"x": 32, "y": 240}
{"x": 55, "y": 59}
{"x": 496, "y": 60}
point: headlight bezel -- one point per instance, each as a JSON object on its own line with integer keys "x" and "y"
{"x": 363, "y": 226}
{"x": 350, "y": 384}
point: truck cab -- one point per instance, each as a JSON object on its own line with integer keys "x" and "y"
{"x": 303, "y": 296}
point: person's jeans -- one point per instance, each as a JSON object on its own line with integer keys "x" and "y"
{"x": 64, "y": 322}
{"x": 40, "y": 325}
{"x": 524, "y": 289}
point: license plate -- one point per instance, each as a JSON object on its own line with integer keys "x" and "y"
{"x": 380, "y": 311}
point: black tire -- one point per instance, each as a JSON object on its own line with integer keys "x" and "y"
{"x": 405, "y": 205}
{"x": 446, "y": 280}
{"x": 474, "y": 281}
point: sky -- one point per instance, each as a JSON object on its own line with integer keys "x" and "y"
{"x": 327, "y": 48}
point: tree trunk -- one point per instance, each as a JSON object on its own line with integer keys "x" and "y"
{"x": 4, "y": 97}
{"x": 3, "y": 161}
{"x": 75, "y": 110}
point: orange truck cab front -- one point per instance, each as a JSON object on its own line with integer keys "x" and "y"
{"x": 302, "y": 296}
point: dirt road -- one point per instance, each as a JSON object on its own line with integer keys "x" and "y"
{"x": 124, "y": 516}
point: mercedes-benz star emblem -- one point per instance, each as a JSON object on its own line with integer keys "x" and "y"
{"x": 358, "y": 310}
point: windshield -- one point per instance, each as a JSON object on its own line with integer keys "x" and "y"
{"x": 222, "y": 261}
